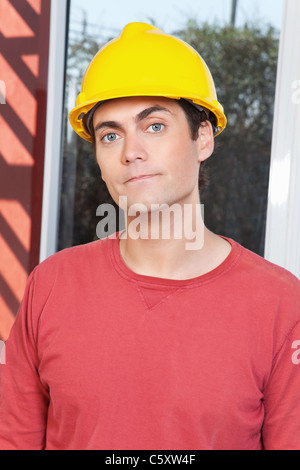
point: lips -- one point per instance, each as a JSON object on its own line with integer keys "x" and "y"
{"x": 140, "y": 178}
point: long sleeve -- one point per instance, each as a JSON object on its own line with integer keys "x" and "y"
{"x": 23, "y": 398}
{"x": 281, "y": 430}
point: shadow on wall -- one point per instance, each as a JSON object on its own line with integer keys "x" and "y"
{"x": 24, "y": 42}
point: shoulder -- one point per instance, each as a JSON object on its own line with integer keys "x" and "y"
{"x": 271, "y": 291}
{"x": 266, "y": 272}
{"x": 267, "y": 297}
{"x": 73, "y": 265}
{"x": 76, "y": 256}
{"x": 68, "y": 274}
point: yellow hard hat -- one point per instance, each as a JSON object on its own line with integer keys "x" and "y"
{"x": 145, "y": 61}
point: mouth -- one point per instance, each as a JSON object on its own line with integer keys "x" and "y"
{"x": 141, "y": 178}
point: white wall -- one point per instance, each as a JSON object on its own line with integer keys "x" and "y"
{"x": 282, "y": 244}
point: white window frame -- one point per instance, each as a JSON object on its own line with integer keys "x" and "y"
{"x": 282, "y": 241}
{"x": 54, "y": 128}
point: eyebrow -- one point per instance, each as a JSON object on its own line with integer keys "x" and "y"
{"x": 146, "y": 112}
{"x": 139, "y": 117}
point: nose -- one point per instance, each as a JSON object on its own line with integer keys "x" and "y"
{"x": 133, "y": 149}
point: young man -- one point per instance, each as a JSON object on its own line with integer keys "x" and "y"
{"x": 147, "y": 341}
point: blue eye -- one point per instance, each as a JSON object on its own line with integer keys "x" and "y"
{"x": 111, "y": 137}
{"x": 156, "y": 127}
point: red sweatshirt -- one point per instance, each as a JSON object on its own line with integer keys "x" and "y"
{"x": 102, "y": 358}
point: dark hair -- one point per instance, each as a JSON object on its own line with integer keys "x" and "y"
{"x": 195, "y": 118}
{"x": 196, "y": 115}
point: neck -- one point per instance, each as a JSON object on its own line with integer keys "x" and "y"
{"x": 171, "y": 242}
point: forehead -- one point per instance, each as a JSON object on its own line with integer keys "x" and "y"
{"x": 133, "y": 105}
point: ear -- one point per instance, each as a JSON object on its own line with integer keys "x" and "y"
{"x": 205, "y": 141}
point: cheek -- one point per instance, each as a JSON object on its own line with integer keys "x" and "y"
{"x": 184, "y": 159}
{"x": 102, "y": 171}
{"x": 103, "y": 165}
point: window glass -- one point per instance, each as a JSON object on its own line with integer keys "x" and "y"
{"x": 239, "y": 41}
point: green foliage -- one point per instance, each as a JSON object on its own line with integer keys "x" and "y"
{"x": 243, "y": 63}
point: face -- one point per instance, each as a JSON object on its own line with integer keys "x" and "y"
{"x": 145, "y": 151}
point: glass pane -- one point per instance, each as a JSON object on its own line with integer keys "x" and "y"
{"x": 239, "y": 42}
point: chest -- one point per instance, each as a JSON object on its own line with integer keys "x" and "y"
{"x": 182, "y": 364}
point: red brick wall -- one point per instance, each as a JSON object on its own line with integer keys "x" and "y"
{"x": 24, "y": 43}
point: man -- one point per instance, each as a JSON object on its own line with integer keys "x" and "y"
{"x": 142, "y": 340}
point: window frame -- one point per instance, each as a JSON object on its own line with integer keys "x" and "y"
{"x": 282, "y": 240}
{"x": 59, "y": 19}
{"x": 283, "y": 215}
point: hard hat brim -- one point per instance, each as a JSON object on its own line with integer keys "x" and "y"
{"x": 77, "y": 114}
